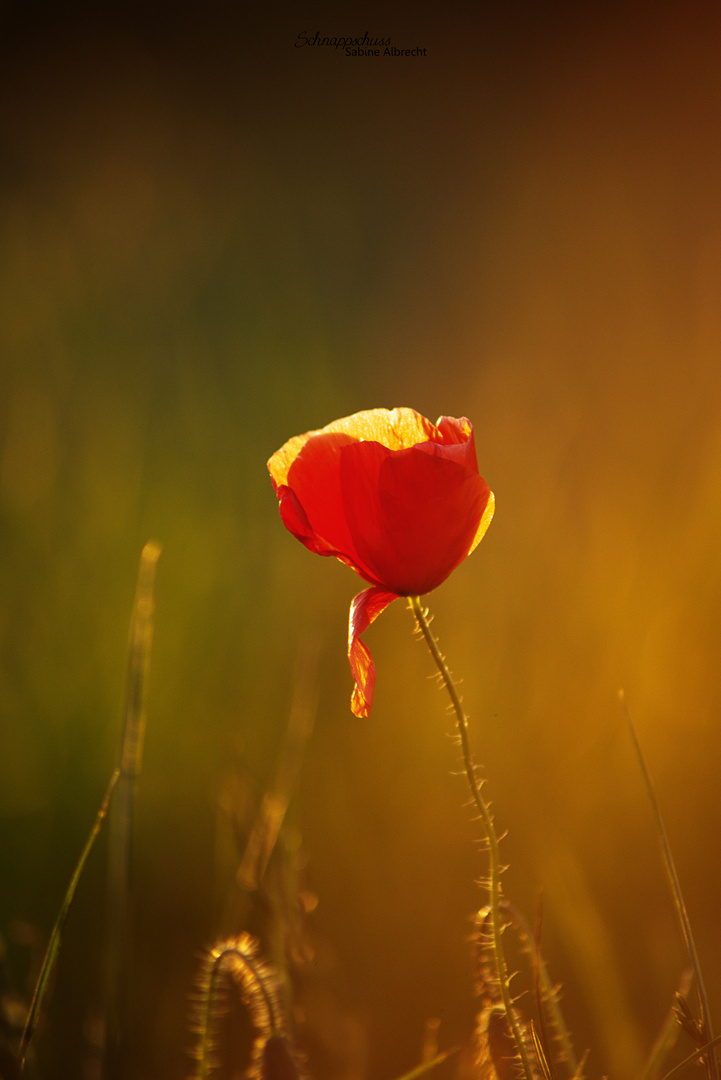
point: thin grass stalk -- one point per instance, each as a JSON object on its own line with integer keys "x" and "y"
{"x": 667, "y": 1036}
{"x": 53, "y": 948}
{"x": 121, "y": 822}
{"x": 548, "y": 990}
{"x": 494, "y": 878}
{"x": 266, "y": 830}
{"x": 427, "y": 1066}
{"x": 678, "y": 899}
{"x": 707, "y": 1048}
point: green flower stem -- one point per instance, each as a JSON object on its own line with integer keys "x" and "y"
{"x": 494, "y": 878}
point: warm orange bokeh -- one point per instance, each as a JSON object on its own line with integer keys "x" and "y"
{"x": 211, "y": 239}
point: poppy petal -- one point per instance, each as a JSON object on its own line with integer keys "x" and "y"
{"x": 485, "y": 522}
{"x": 451, "y": 429}
{"x": 458, "y": 433}
{"x": 315, "y": 480}
{"x": 395, "y": 497}
{"x": 413, "y": 514}
{"x": 365, "y": 609}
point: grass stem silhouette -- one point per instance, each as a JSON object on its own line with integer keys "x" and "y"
{"x": 679, "y": 904}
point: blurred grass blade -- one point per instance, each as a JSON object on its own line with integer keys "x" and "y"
{"x": 141, "y": 638}
{"x": 426, "y": 1066}
{"x": 668, "y": 1034}
{"x": 121, "y": 820}
{"x": 544, "y": 1063}
{"x": 56, "y": 935}
{"x": 275, "y": 804}
{"x": 679, "y": 904}
{"x": 705, "y": 1049}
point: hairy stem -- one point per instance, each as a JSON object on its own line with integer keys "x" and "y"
{"x": 494, "y": 877}
{"x": 238, "y": 959}
{"x": 547, "y": 992}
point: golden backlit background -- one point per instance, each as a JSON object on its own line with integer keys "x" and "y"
{"x": 211, "y": 240}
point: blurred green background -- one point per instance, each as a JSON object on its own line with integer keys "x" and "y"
{"x": 212, "y": 240}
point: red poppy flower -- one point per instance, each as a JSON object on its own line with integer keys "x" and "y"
{"x": 393, "y": 496}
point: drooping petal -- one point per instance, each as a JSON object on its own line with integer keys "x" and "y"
{"x": 365, "y": 609}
